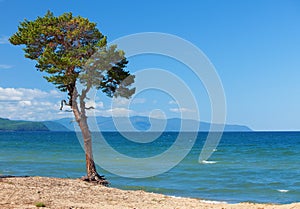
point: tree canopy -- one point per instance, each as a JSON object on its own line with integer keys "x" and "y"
{"x": 68, "y": 48}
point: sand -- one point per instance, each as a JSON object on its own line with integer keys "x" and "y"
{"x": 59, "y": 193}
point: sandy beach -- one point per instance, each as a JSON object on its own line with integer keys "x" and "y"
{"x": 27, "y": 192}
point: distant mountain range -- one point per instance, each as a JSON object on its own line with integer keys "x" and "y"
{"x": 138, "y": 123}
{"x": 141, "y": 123}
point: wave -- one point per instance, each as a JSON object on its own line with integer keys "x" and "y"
{"x": 204, "y": 201}
{"x": 283, "y": 190}
{"x": 208, "y": 162}
{"x": 177, "y": 197}
{"x": 213, "y": 202}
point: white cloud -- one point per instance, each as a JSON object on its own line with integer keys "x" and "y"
{"x": 2, "y": 66}
{"x": 24, "y": 94}
{"x": 55, "y": 93}
{"x": 183, "y": 109}
{"x": 4, "y": 39}
{"x": 158, "y": 114}
{"x": 30, "y": 104}
{"x": 123, "y": 102}
{"x": 25, "y": 103}
{"x": 120, "y": 102}
{"x": 90, "y": 104}
{"x": 94, "y": 104}
{"x": 119, "y": 112}
{"x": 35, "y": 104}
{"x": 10, "y": 94}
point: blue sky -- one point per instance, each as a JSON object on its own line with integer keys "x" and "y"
{"x": 254, "y": 46}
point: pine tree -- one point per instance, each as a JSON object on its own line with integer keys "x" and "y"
{"x": 71, "y": 50}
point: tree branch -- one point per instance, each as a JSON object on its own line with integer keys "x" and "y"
{"x": 74, "y": 106}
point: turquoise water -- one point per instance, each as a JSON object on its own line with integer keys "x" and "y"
{"x": 254, "y": 166}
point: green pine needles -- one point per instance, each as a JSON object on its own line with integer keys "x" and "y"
{"x": 69, "y": 48}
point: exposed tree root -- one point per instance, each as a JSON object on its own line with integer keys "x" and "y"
{"x": 97, "y": 179}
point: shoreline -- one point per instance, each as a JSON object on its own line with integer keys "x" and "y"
{"x": 26, "y": 192}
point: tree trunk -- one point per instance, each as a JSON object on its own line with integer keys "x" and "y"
{"x": 80, "y": 116}
{"x": 92, "y": 174}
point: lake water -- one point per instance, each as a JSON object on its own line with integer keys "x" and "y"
{"x": 252, "y": 166}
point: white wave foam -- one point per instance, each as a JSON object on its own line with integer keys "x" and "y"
{"x": 213, "y": 202}
{"x": 177, "y": 197}
{"x": 283, "y": 190}
{"x": 208, "y": 162}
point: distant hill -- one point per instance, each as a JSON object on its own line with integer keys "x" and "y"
{"x": 20, "y": 125}
{"x": 143, "y": 124}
